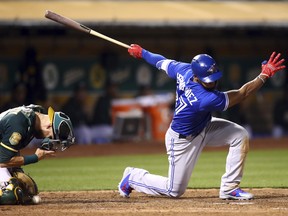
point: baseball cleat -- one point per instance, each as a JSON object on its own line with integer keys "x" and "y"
{"x": 123, "y": 186}
{"x": 237, "y": 194}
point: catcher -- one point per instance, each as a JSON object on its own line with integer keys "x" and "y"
{"x": 18, "y": 126}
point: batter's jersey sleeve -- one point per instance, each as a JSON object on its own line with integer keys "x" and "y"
{"x": 152, "y": 58}
{"x": 214, "y": 101}
{"x": 172, "y": 68}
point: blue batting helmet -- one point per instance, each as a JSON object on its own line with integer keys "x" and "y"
{"x": 205, "y": 68}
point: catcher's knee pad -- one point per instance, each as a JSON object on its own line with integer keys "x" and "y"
{"x": 12, "y": 194}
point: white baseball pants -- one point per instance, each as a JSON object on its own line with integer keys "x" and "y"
{"x": 183, "y": 155}
{"x": 4, "y": 176}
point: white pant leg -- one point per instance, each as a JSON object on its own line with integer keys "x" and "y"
{"x": 4, "y": 176}
{"x": 182, "y": 157}
{"x": 222, "y": 132}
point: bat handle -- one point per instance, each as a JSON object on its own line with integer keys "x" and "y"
{"x": 97, "y": 34}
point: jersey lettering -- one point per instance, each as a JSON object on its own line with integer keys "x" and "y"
{"x": 181, "y": 82}
{"x": 190, "y": 96}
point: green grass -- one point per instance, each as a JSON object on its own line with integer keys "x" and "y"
{"x": 263, "y": 169}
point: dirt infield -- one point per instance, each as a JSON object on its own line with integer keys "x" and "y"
{"x": 201, "y": 201}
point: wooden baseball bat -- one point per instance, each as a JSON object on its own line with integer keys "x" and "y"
{"x": 78, "y": 26}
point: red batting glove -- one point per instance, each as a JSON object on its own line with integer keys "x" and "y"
{"x": 273, "y": 65}
{"x": 135, "y": 50}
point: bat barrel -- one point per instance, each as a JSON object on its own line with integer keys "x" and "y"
{"x": 78, "y": 26}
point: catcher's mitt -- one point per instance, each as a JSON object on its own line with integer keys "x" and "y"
{"x": 27, "y": 184}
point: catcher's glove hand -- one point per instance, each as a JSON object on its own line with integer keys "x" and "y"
{"x": 28, "y": 186}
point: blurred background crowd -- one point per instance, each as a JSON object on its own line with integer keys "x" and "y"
{"x": 110, "y": 96}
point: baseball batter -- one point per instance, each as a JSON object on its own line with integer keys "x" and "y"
{"x": 192, "y": 127}
{"x": 18, "y": 126}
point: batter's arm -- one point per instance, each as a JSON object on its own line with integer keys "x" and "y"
{"x": 237, "y": 96}
{"x": 268, "y": 70}
{"x": 138, "y": 52}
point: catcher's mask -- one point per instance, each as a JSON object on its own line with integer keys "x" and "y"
{"x": 62, "y": 129}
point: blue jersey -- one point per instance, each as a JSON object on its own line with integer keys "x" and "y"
{"x": 194, "y": 103}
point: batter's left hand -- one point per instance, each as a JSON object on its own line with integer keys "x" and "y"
{"x": 135, "y": 50}
{"x": 273, "y": 65}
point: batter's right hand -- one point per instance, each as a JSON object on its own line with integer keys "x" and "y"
{"x": 135, "y": 50}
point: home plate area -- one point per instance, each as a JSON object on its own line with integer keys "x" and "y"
{"x": 198, "y": 201}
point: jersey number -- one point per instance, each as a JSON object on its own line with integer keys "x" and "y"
{"x": 182, "y": 104}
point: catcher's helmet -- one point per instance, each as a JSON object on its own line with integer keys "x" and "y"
{"x": 205, "y": 68}
{"x": 62, "y": 127}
